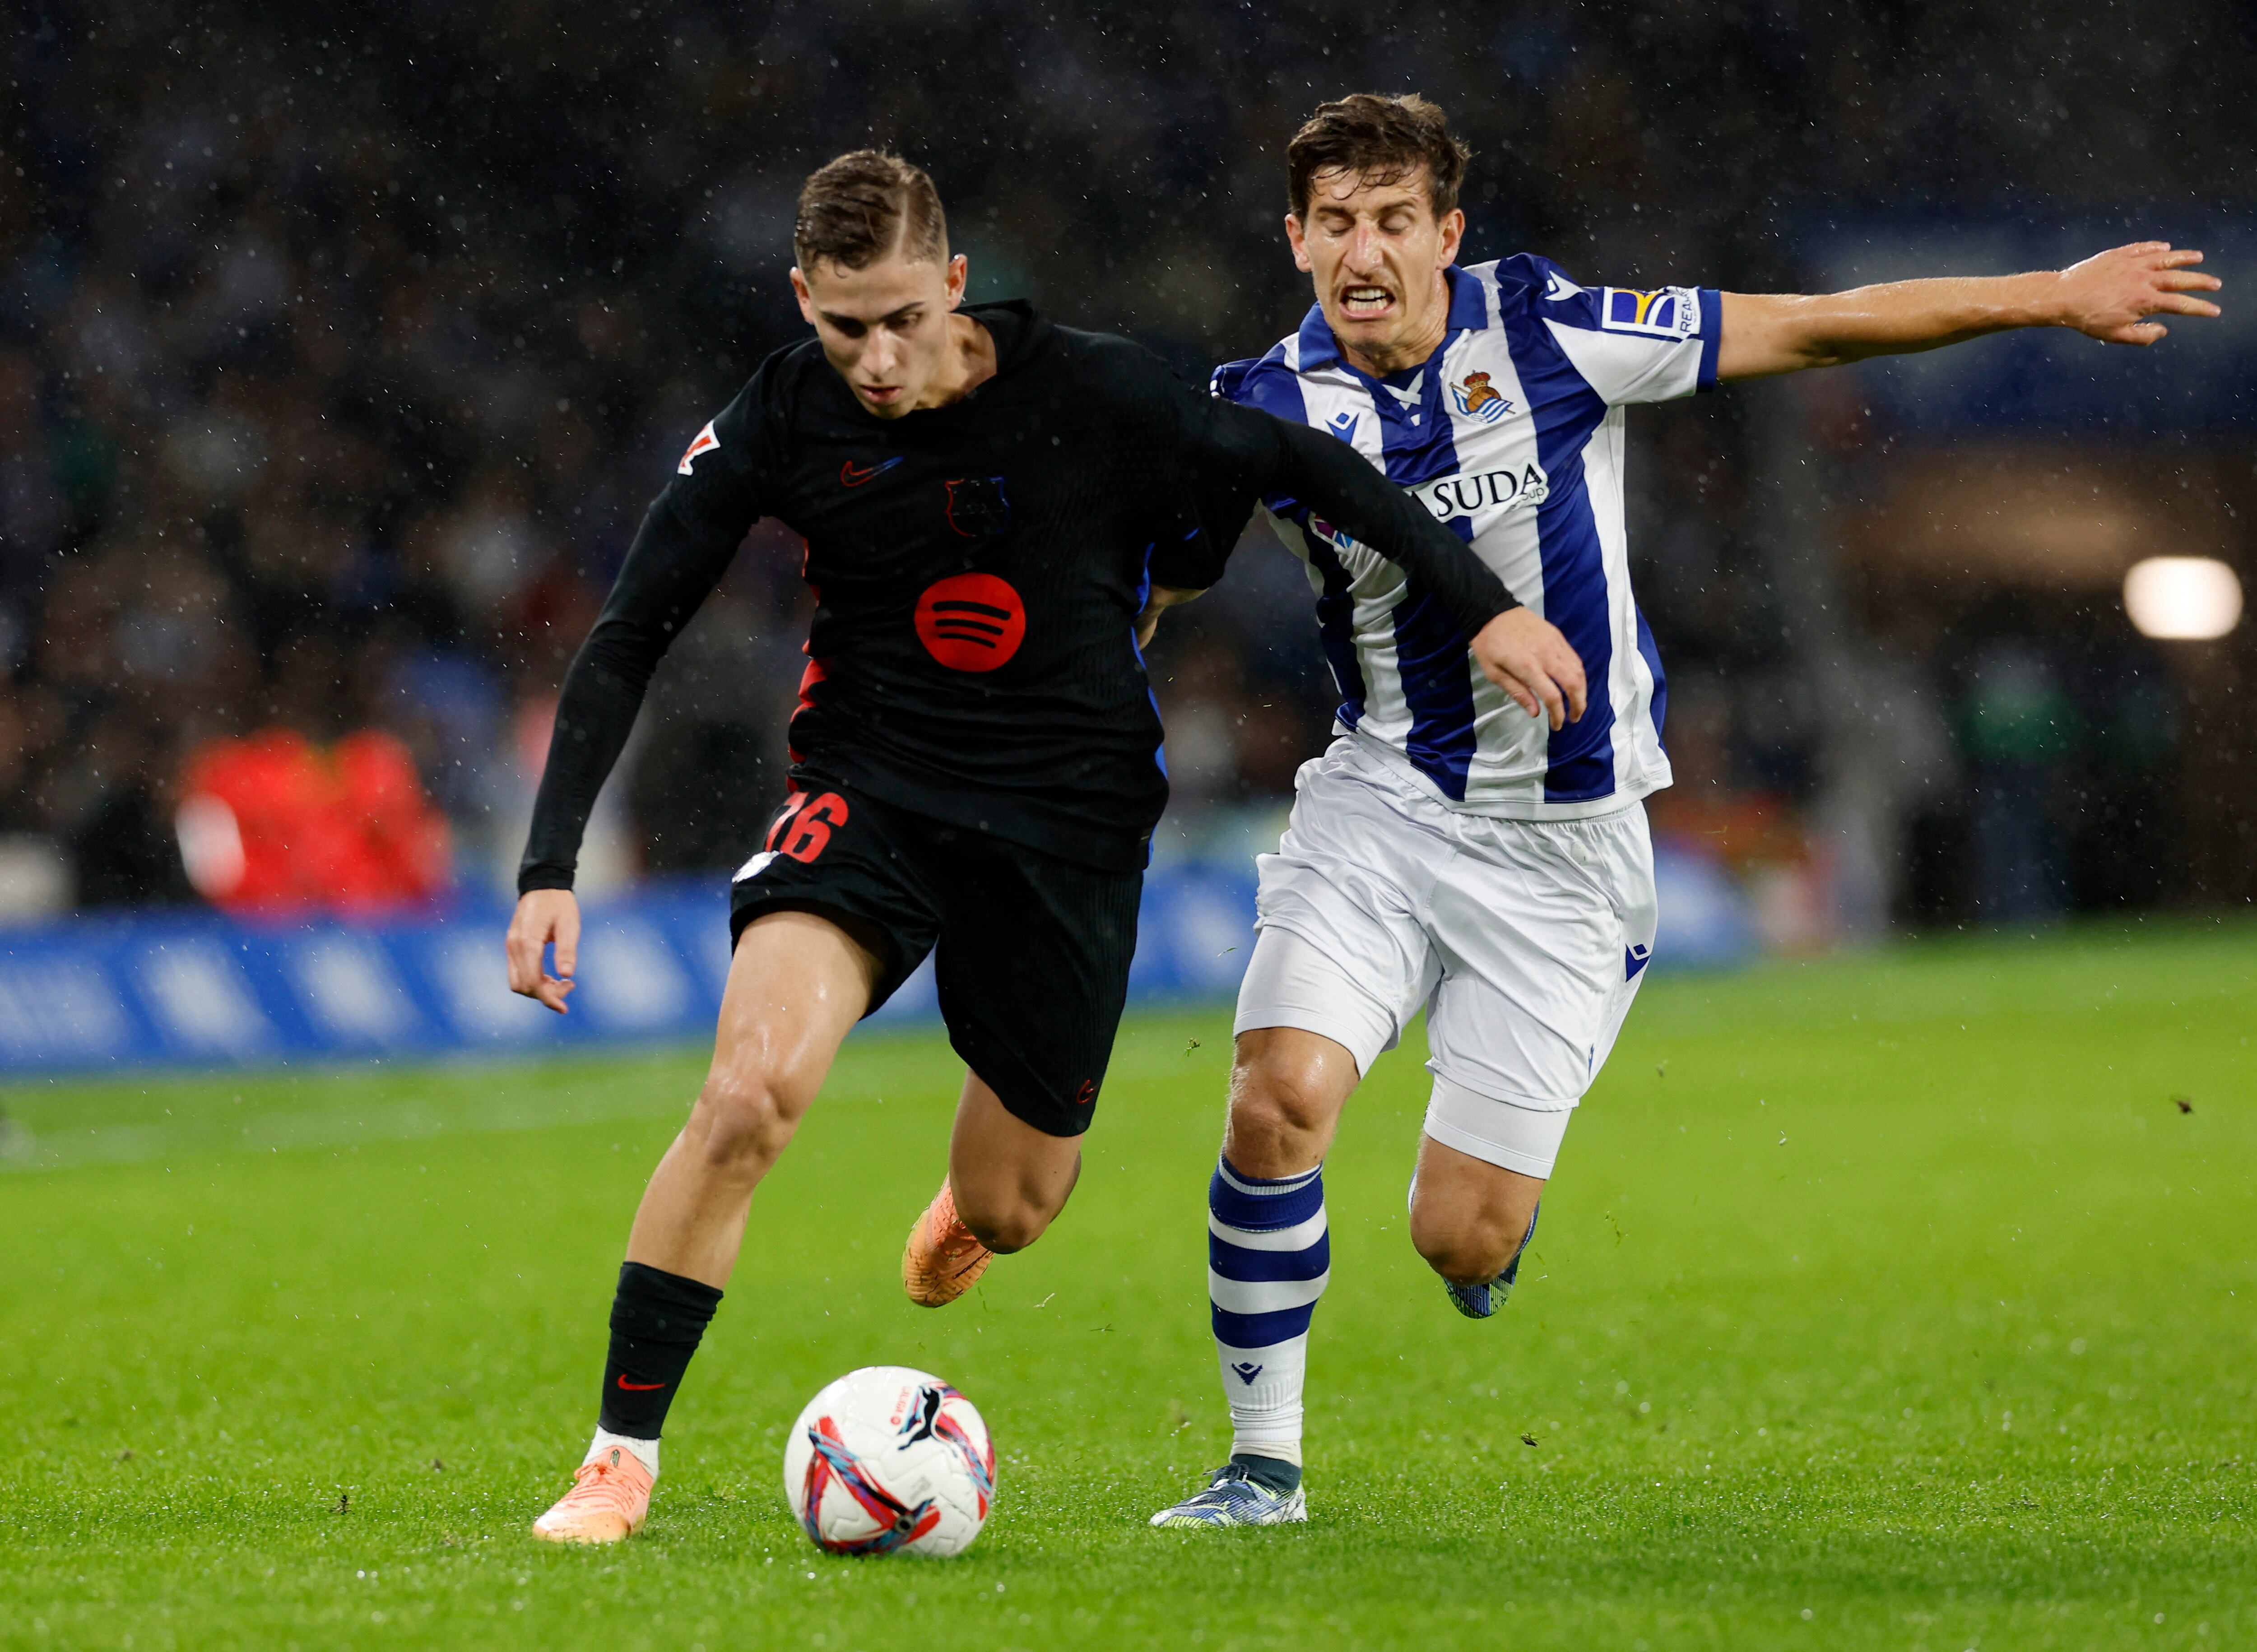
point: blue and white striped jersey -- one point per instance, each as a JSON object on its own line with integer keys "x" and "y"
{"x": 1511, "y": 433}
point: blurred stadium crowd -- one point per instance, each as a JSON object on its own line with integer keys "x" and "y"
{"x": 340, "y": 350}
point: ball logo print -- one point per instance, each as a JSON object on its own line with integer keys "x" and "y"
{"x": 970, "y": 622}
{"x": 802, "y": 832}
{"x": 889, "y": 1460}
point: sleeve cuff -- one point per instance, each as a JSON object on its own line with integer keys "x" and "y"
{"x": 542, "y": 875}
{"x": 1712, "y": 337}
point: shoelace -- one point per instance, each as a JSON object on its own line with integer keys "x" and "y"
{"x": 597, "y": 1485}
{"x": 954, "y": 1240}
{"x": 1229, "y": 1486}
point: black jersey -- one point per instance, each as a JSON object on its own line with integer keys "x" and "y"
{"x": 978, "y": 569}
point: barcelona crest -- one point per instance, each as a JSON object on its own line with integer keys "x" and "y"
{"x": 1478, "y": 398}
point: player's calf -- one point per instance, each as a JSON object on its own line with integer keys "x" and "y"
{"x": 1467, "y": 1246}
{"x": 658, "y": 1319}
{"x": 1478, "y": 1299}
{"x": 1010, "y": 1178}
{"x": 1472, "y": 1218}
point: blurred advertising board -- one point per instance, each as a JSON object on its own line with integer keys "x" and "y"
{"x": 181, "y": 989}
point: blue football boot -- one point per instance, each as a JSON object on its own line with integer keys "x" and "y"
{"x": 1234, "y": 1497}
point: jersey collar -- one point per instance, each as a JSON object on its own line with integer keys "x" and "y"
{"x": 1018, "y": 329}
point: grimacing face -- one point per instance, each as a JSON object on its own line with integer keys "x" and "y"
{"x": 1376, "y": 253}
{"x": 884, "y": 327}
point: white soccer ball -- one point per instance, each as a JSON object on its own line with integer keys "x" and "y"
{"x": 888, "y": 1460}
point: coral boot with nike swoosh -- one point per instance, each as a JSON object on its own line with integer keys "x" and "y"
{"x": 944, "y": 1258}
{"x": 609, "y": 1501}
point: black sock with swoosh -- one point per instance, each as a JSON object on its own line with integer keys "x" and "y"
{"x": 657, "y": 1319}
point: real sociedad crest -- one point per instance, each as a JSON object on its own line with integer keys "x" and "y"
{"x": 1478, "y": 398}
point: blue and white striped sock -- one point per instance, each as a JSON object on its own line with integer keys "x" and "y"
{"x": 1268, "y": 1257}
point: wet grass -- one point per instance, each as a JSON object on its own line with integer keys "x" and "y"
{"x": 1891, "y": 1301}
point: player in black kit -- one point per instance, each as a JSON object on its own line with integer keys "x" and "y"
{"x": 995, "y": 508}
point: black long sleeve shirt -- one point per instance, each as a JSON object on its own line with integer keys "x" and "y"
{"x": 978, "y": 569}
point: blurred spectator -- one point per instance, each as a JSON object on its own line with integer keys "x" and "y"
{"x": 273, "y": 825}
{"x": 336, "y": 369}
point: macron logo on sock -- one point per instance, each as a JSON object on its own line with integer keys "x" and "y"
{"x": 1247, "y": 1372}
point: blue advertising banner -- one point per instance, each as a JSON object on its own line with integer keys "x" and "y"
{"x": 199, "y": 989}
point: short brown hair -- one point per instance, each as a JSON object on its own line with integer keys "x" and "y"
{"x": 856, "y": 209}
{"x": 1382, "y": 140}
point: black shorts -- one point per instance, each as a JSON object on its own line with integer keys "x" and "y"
{"x": 1033, "y": 951}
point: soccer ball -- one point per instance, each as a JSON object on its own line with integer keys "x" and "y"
{"x": 889, "y": 1460}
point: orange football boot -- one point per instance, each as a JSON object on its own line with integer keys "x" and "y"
{"x": 943, "y": 1260}
{"x": 609, "y": 1501}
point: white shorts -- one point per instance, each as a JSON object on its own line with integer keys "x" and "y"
{"x": 1524, "y": 941}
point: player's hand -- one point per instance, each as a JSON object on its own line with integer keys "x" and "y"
{"x": 1161, "y": 598}
{"x": 544, "y": 915}
{"x": 1525, "y": 655}
{"x": 2110, "y": 294}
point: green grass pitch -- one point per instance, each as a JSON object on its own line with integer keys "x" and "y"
{"x": 1890, "y": 1302}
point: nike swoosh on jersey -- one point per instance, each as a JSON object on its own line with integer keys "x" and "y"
{"x": 853, "y": 476}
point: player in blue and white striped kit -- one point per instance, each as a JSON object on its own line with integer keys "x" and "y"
{"x": 1449, "y": 852}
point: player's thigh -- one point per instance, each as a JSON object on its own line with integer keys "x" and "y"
{"x": 1343, "y": 950}
{"x": 797, "y": 984}
{"x": 1469, "y": 1205}
{"x": 1032, "y": 969}
{"x": 844, "y": 856}
{"x": 1543, "y": 931}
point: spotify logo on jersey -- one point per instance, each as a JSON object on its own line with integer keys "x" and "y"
{"x": 970, "y": 622}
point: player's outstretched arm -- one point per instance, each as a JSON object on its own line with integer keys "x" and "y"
{"x": 679, "y": 554}
{"x": 2110, "y": 296}
{"x": 542, "y": 916}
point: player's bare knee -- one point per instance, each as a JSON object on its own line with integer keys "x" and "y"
{"x": 1276, "y": 1109}
{"x": 747, "y": 1123}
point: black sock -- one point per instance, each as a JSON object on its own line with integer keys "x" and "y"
{"x": 656, "y": 1320}
{"x": 1273, "y": 1473}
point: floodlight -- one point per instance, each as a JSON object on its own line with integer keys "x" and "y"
{"x": 2182, "y": 598}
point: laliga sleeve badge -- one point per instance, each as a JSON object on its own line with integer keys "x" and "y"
{"x": 1666, "y": 312}
{"x": 705, "y": 442}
